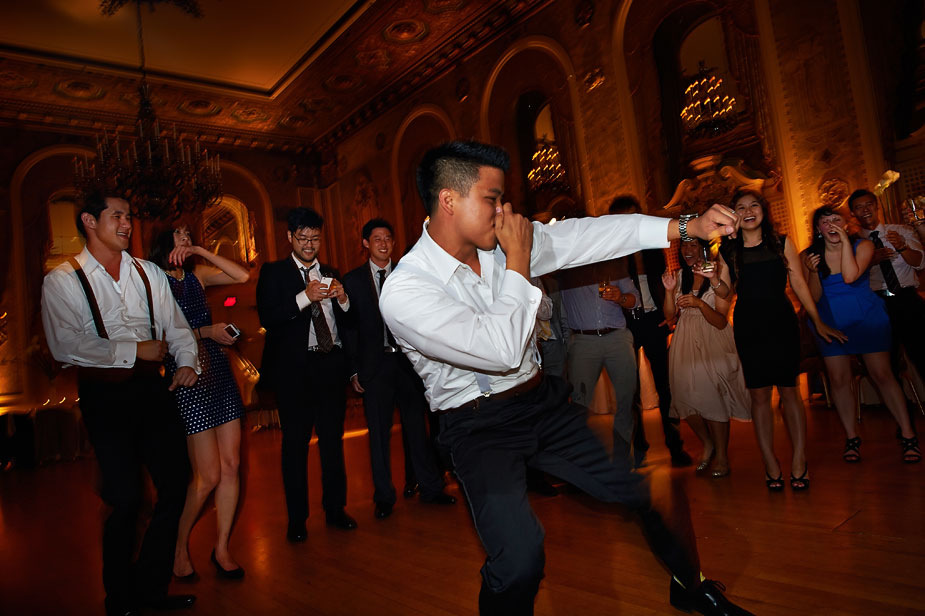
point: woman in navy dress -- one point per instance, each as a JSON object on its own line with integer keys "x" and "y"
{"x": 212, "y": 409}
{"x": 837, "y": 270}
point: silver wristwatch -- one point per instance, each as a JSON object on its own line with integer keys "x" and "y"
{"x": 682, "y": 226}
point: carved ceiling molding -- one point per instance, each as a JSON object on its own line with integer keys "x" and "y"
{"x": 463, "y": 44}
{"x": 86, "y": 122}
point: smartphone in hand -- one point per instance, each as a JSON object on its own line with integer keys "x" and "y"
{"x": 232, "y": 331}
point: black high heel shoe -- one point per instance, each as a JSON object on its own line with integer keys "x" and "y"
{"x": 798, "y": 484}
{"x": 774, "y": 485}
{"x": 228, "y": 574}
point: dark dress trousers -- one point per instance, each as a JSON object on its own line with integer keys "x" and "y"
{"x": 310, "y": 387}
{"x": 653, "y": 338}
{"x": 388, "y": 379}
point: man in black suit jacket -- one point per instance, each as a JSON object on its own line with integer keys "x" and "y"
{"x": 305, "y": 364}
{"x": 385, "y": 377}
{"x": 647, "y": 322}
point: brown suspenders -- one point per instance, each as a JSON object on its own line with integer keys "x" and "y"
{"x": 95, "y": 308}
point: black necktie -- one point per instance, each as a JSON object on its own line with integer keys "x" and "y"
{"x": 322, "y": 331}
{"x": 390, "y": 341}
{"x": 889, "y": 274}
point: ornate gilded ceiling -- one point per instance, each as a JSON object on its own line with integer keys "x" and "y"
{"x": 368, "y": 56}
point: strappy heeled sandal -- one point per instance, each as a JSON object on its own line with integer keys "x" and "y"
{"x": 852, "y": 451}
{"x": 911, "y": 451}
{"x": 774, "y": 485}
{"x": 798, "y": 484}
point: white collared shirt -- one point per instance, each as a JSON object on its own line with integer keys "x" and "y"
{"x": 327, "y": 307}
{"x": 450, "y": 322}
{"x": 904, "y": 272}
{"x": 69, "y": 326}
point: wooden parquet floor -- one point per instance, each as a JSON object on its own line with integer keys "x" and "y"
{"x": 853, "y": 544}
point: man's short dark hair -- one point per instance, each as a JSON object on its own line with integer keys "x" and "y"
{"x": 456, "y": 165}
{"x": 624, "y": 204}
{"x": 303, "y": 218}
{"x": 861, "y": 192}
{"x": 93, "y": 203}
{"x": 376, "y": 223}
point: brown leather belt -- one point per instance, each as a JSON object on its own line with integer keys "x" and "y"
{"x": 517, "y": 390}
{"x": 595, "y": 332}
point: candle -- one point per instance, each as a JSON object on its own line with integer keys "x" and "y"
{"x": 197, "y": 148}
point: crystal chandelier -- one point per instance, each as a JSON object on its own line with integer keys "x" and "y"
{"x": 547, "y": 172}
{"x": 708, "y": 110}
{"x": 161, "y": 176}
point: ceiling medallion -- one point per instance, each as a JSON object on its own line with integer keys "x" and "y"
{"x": 296, "y": 122}
{"x": 76, "y": 89}
{"x": 443, "y": 6}
{"x": 249, "y": 115}
{"x": 405, "y": 31}
{"x": 377, "y": 58}
{"x": 314, "y": 105}
{"x": 11, "y": 80}
{"x": 132, "y": 99}
{"x": 342, "y": 83}
{"x": 200, "y": 107}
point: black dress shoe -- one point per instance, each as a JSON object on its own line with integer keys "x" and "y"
{"x": 340, "y": 519}
{"x": 440, "y": 498}
{"x": 118, "y": 608}
{"x": 229, "y": 574}
{"x": 171, "y": 602}
{"x": 297, "y": 533}
{"x": 681, "y": 459}
{"x": 410, "y": 490}
{"x": 383, "y": 510}
{"x": 707, "y": 599}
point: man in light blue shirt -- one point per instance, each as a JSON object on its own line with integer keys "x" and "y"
{"x": 594, "y": 297}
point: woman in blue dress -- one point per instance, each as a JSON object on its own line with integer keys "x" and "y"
{"x": 211, "y": 409}
{"x": 837, "y": 270}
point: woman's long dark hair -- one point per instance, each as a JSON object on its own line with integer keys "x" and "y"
{"x": 817, "y": 247}
{"x": 687, "y": 274}
{"x": 161, "y": 246}
{"x": 735, "y": 247}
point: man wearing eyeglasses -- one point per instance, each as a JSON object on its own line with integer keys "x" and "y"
{"x": 301, "y": 304}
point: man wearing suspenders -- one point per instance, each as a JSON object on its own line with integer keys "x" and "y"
{"x": 114, "y": 318}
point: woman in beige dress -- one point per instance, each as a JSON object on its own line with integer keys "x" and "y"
{"x": 704, "y": 373}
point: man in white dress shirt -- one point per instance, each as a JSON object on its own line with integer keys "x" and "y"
{"x": 116, "y": 330}
{"x": 898, "y": 259}
{"x": 461, "y": 306}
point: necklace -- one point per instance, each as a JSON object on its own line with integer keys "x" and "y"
{"x": 182, "y": 275}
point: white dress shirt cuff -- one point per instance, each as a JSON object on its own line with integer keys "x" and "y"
{"x": 345, "y": 306}
{"x": 302, "y": 300}
{"x": 188, "y": 360}
{"x": 653, "y": 231}
{"x": 125, "y": 353}
{"x": 515, "y": 285}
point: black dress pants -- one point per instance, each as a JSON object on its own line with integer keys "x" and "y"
{"x": 491, "y": 449}
{"x": 133, "y": 425}
{"x": 906, "y": 310}
{"x": 653, "y": 338}
{"x": 313, "y": 396}
{"x": 396, "y": 382}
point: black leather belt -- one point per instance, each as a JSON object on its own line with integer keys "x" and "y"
{"x": 595, "y": 332}
{"x": 517, "y": 390}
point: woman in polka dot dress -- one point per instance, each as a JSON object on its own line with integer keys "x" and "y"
{"x": 212, "y": 409}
